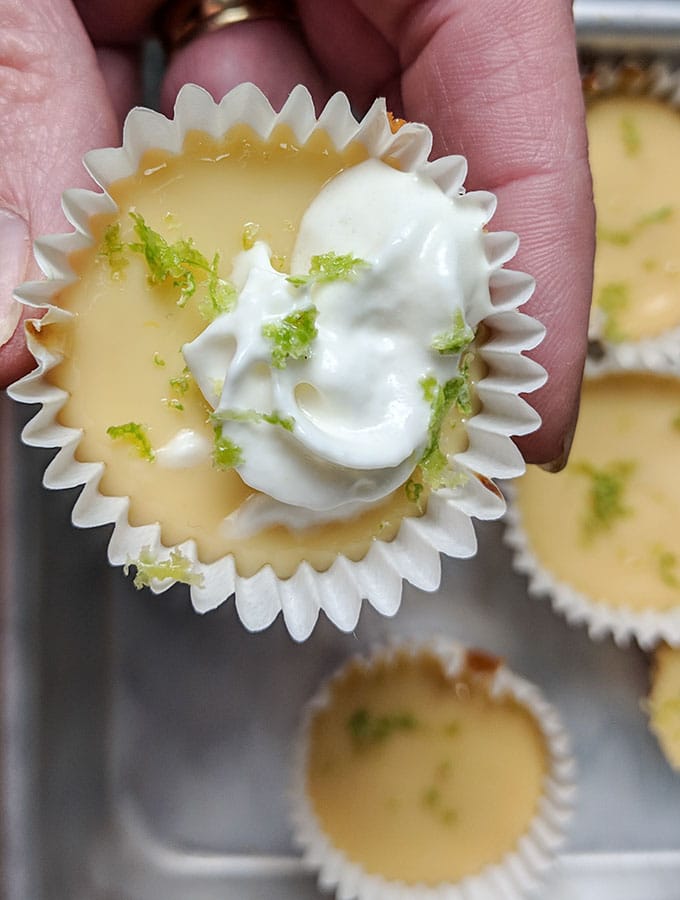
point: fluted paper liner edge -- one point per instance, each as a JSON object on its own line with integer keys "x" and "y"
{"x": 647, "y": 627}
{"x": 518, "y": 874}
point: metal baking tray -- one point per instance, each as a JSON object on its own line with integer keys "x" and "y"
{"x": 144, "y": 749}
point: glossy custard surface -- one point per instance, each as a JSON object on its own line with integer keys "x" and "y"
{"x": 634, "y": 145}
{"x": 122, "y": 349}
{"x": 421, "y": 776}
{"x": 608, "y": 523}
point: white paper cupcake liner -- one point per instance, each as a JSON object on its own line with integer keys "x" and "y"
{"x": 517, "y": 875}
{"x": 647, "y": 627}
{"x": 659, "y": 81}
{"x": 414, "y": 553}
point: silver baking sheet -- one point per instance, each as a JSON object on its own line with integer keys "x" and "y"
{"x": 144, "y": 749}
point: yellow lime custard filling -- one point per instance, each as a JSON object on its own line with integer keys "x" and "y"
{"x": 608, "y": 523}
{"x": 634, "y": 145}
{"x": 158, "y": 274}
{"x": 664, "y": 701}
{"x": 422, "y": 776}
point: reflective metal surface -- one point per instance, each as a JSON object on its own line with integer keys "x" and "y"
{"x": 144, "y": 749}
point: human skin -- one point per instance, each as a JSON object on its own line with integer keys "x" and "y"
{"x": 496, "y": 80}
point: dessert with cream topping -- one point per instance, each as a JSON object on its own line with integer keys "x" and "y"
{"x": 273, "y": 347}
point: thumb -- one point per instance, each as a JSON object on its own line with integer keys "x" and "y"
{"x": 53, "y": 107}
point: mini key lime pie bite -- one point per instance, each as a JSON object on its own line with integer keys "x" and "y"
{"x": 270, "y": 338}
{"x": 424, "y": 767}
{"x": 634, "y": 142}
{"x": 664, "y": 702}
{"x": 601, "y": 536}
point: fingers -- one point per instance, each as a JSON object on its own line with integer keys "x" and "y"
{"x": 269, "y": 52}
{"x": 54, "y": 106}
{"x": 498, "y": 81}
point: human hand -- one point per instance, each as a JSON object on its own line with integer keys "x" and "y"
{"x": 496, "y": 81}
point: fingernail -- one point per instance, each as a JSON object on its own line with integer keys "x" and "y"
{"x": 556, "y": 465}
{"x": 15, "y": 245}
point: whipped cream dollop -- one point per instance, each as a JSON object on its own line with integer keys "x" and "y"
{"x": 324, "y": 435}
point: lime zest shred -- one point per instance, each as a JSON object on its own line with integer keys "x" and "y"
{"x": 149, "y": 568}
{"x": 158, "y": 360}
{"x": 181, "y": 383}
{"x": 605, "y": 495}
{"x": 173, "y": 403}
{"x": 251, "y": 415}
{"x": 367, "y": 729}
{"x": 433, "y": 800}
{"x": 113, "y": 249}
{"x": 291, "y": 337}
{"x": 630, "y": 135}
{"x": 168, "y": 262}
{"x": 178, "y": 263}
{"x": 135, "y": 434}
{"x": 621, "y": 237}
{"x": 456, "y": 339}
{"x": 249, "y": 235}
{"x": 675, "y": 423}
{"x": 414, "y": 490}
{"x": 667, "y": 566}
{"x": 613, "y": 298}
{"x": 328, "y": 267}
{"x": 226, "y": 454}
{"x": 222, "y": 295}
{"x": 457, "y": 391}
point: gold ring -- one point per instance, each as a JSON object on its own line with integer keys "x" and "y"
{"x": 180, "y": 21}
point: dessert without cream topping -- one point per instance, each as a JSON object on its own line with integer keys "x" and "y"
{"x": 634, "y": 144}
{"x": 295, "y": 343}
{"x": 422, "y": 776}
{"x": 664, "y": 702}
{"x": 607, "y": 524}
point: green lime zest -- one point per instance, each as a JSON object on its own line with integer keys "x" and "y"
{"x": 222, "y": 295}
{"x": 457, "y": 338}
{"x": 667, "y": 566}
{"x": 149, "y": 568}
{"x": 675, "y": 423}
{"x": 291, "y": 337}
{"x": 414, "y": 490}
{"x": 630, "y": 135}
{"x": 457, "y": 391}
{"x": 613, "y": 298}
{"x": 226, "y": 454}
{"x": 251, "y": 415}
{"x": 366, "y": 729}
{"x": 173, "y": 403}
{"x": 135, "y": 434}
{"x": 179, "y": 264}
{"x": 158, "y": 360}
{"x": 113, "y": 249}
{"x": 328, "y": 267}
{"x": 621, "y": 237}
{"x": 605, "y": 495}
{"x": 180, "y": 383}
{"x": 169, "y": 262}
